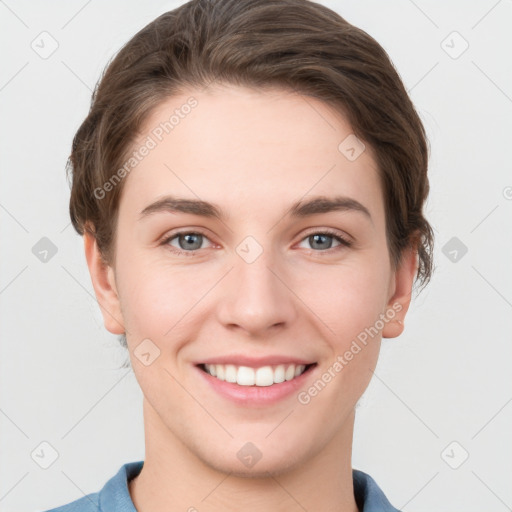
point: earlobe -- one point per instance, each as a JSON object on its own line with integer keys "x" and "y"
{"x": 400, "y": 299}
{"x": 103, "y": 281}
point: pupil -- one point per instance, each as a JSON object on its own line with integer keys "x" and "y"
{"x": 189, "y": 240}
{"x": 316, "y": 237}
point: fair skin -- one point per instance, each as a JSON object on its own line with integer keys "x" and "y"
{"x": 253, "y": 154}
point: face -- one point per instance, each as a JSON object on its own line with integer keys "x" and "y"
{"x": 263, "y": 277}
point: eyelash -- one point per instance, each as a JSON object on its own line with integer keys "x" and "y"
{"x": 344, "y": 243}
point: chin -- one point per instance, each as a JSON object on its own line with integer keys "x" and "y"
{"x": 248, "y": 461}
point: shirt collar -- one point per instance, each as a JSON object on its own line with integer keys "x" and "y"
{"x": 115, "y": 495}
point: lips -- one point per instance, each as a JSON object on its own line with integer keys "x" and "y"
{"x": 257, "y": 382}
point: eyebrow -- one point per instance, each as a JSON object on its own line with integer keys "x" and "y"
{"x": 300, "y": 209}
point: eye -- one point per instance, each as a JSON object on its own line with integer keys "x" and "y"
{"x": 322, "y": 240}
{"x": 188, "y": 242}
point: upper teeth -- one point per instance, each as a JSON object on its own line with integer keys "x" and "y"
{"x": 247, "y": 376}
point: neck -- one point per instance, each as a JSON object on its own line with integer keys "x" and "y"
{"x": 175, "y": 479}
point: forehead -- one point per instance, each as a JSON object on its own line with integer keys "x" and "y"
{"x": 250, "y": 149}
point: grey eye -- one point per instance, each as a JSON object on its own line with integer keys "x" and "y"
{"x": 320, "y": 241}
{"x": 191, "y": 241}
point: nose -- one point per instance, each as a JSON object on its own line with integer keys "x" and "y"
{"x": 257, "y": 297}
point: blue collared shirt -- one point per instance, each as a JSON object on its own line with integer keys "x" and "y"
{"x": 115, "y": 497}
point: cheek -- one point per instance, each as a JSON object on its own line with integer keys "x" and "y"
{"x": 347, "y": 298}
{"x": 350, "y": 303}
{"x": 155, "y": 301}
{"x": 160, "y": 299}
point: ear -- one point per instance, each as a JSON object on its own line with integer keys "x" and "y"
{"x": 103, "y": 281}
{"x": 400, "y": 286}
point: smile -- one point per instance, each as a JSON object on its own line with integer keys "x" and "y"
{"x": 262, "y": 376}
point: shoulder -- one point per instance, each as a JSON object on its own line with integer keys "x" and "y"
{"x": 369, "y": 496}
{"x": 113, "y": 497}
{"x": 88, "y": 503}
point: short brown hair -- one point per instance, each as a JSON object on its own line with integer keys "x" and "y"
{"x": 297, "y": 45}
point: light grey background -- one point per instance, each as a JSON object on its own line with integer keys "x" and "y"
{"x": 446, "y": 379}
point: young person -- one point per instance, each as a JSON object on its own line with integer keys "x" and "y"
{"x": 249, "y": 184}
